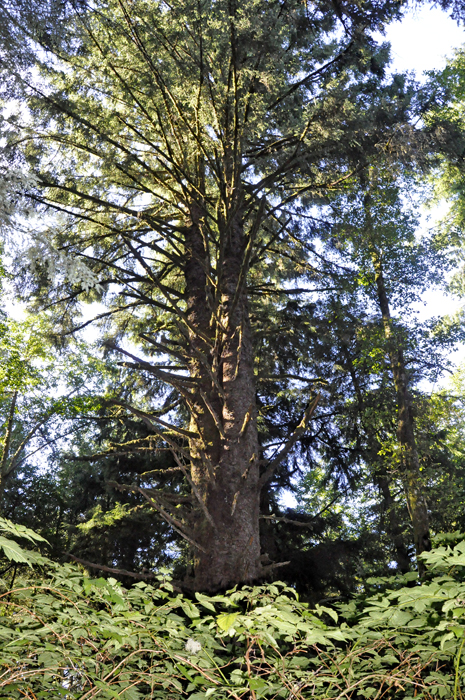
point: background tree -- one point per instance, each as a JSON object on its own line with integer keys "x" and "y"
{"x": 396, "y": 276}
{"x": 358, "y": 446}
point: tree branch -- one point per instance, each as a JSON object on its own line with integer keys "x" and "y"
{"x": 300, "y": 430}
{"x": 165, "y": 515}
{"x": 111, "y": 570}
{"x": 144, "y": 416}
{"x": 176, "y": 380}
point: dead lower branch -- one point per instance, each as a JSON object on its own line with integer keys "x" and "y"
{"x": 110, "y": 569}
{"x": 175, "y": 524}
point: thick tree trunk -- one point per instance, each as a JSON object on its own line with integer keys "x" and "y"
{"x": 416, "y": 501}
{"x": 225, "y": 464}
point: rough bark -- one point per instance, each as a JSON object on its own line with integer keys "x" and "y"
{"x": 393, "y": 526}
{"x": 225, "y": 464}
{"x": 6, "y": 447}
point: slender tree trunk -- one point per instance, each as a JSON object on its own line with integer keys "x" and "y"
{"x": 6, "y": 447}
{"x": 225, "y": 464}
{"x": 405, "y": 424}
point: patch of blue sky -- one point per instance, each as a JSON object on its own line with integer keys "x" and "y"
{"x": 423, "y": 40}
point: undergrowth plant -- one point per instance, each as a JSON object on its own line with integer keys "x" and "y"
{"x": 65, "y": 635}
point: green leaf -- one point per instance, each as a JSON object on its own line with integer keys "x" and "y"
{"x": 226, "y": 621}
{"x": 321, "y": 609}
{"x": 445, "y": 638}
{"x": 204, "y": 600}
{"x": 20, "y": 531}
{"x": 14, "y": 552}
{"x": 400, "y": 618}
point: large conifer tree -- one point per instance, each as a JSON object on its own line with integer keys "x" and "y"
{"x": 180, "y": 148}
